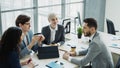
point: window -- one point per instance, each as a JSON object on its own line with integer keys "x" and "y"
{"x": 55, "y": 6}
{"x": 72, "y": 9}
{"x": 8, "y": 18}
{"x": 15, "y": 4}
{"x": 10, "y": 9}
{"x": 48, "y": 2}
{"x": 43, "y": 15}
{"x": 71, "y": 1}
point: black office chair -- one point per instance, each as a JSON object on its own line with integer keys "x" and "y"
{"x": 67, "y": 25}
{"x": 110, "y": 27}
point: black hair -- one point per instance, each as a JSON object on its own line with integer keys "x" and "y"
{"x": 91, "y": 22}
{"x": 22, "y": 19}
{"x": 10, "y": 40}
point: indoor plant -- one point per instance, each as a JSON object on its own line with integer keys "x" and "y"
{"x": 79, "y": 32}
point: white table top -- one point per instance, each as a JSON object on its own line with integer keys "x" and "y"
{"x": 80, "y": 44}
{"x": 43, "y": 62}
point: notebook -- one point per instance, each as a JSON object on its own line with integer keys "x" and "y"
{"x": 115, "y": 45}
{"x": 54, "y": 65}
{"x": 48, "y": 52}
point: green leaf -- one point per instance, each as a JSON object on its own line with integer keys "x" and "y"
{"x": 79, "y": 30}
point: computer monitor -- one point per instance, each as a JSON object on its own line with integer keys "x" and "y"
{"x": 67, "y": 25}
{"x": 79, "y": 19}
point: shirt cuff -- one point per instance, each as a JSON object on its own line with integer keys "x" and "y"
{"x": 58, "y": 44}
{"x": 70, "y": 58}
{"x": 28, "y": 49}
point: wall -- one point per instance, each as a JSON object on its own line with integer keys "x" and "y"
{"x": 95, "y": 9}
{"x": 113, "y": 12}
{"x": 0, "y": 28}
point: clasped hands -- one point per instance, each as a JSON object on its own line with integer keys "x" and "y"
{"x": 38, "y": 38}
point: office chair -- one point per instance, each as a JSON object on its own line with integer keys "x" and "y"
{"x": 67, "y": 25}
{"x": 110, "y": 27}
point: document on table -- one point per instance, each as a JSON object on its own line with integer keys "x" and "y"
{"x": 115, "y": 45}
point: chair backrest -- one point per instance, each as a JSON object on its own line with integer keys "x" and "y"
{"x": 110, "y": 27}
{"x": 67, "y": 25}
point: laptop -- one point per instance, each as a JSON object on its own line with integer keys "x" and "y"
{"x": 48, "y": 52}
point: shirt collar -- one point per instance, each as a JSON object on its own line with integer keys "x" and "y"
{"x": 91, "y": 37}
{"x": 53, "y": 29}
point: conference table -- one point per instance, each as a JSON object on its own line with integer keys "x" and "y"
{"x": 72, "y": 40}
{"x": 113, "y": 43}
{"x": 41, "y": 63}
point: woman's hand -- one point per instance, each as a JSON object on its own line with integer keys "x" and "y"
{"x": 26, "y": 62}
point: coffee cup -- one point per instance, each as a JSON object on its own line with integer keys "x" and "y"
{"x": 73, "y": 48}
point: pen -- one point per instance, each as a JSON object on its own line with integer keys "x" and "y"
{"x": 36, "y": 65}
{"x": 68, "y": 45}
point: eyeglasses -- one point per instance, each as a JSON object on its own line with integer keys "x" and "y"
{"x": 27, "y": 23}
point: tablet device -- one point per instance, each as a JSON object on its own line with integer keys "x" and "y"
{"x": 48, "y": 52}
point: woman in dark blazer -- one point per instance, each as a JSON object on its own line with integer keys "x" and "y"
{"x": 9, "y": 49}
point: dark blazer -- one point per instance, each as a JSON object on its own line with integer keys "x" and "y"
{"x": 59, "y": 36}
{"x": 12, "y": 61}
{"x": 97, "y": 53}
{"x": 24, "y": 50}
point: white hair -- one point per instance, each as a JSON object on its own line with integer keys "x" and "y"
{"x": 51, "y": 15}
